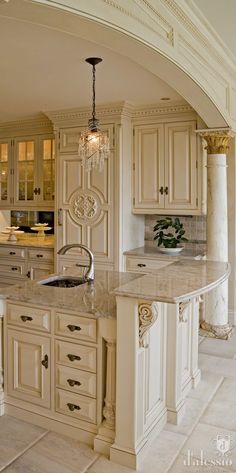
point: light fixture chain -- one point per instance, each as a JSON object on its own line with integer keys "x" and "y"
{"x": 94, "y": 112}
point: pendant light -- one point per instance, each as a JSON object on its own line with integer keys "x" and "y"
{"x": 93, "y": 143}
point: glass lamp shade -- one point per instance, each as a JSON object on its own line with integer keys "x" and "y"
{"x": 93, "y": 149}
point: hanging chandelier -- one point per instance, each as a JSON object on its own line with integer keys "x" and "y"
{"x": 93, "y": 143}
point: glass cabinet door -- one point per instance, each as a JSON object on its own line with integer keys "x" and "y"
{"x": 25, "y": 171}
{"x": 47, "y": 160}
{"x": 4, "y": 173}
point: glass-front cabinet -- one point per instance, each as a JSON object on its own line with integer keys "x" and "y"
{"x": 5, "y": 173}
{"x": 34, "y": 171}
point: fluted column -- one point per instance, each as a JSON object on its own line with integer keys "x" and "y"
{"x": 216, "y": 302}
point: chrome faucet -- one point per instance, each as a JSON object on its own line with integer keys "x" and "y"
{"x": 90, "y": 273}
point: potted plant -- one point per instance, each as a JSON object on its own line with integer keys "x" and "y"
{"x": 169, "y": 241}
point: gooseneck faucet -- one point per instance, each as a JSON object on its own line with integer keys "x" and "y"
{"x": 90, "y": 273}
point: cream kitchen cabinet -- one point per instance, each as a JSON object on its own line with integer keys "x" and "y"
{"x": 27, "y": 172}
{"x": 166, "y": 169}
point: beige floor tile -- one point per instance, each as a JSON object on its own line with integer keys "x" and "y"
{"x": 221, "y": 414}
{"x": 217, "y": 365}
{"x": 204, "y": 441}
{"x": 193, "y": 465}
{"x": 222, "y": 348}
{"x": 103, "y": 465}
{"x": 227, "y": 391}
{"x": 55, "y": 454}
{"x": 207, "y": 387}
{"x": 194, "y": 409}
{"x": 15, "y": 437}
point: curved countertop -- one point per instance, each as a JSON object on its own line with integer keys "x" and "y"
{"x": 176, "y": 282}
{"x": 149, "y": 251}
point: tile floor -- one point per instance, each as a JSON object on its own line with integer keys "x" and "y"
{"x": 192, "y": 447}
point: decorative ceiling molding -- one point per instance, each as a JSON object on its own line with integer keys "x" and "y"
{"x": 35, "y": 125}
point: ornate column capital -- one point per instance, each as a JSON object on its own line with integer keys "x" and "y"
{"x": 148, "y": 314}
{"x": 217, "y": 140}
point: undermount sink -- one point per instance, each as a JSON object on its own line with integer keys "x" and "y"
{"x": 63, "y": 281}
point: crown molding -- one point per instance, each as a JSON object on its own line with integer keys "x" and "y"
{"x": 160, "y": 110}
{"x": 31, "y": 125}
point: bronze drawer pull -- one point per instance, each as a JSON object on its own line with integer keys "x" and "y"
{"x": 44, "y": 362}
{"x": 166, "y": 190}
{"x": 12, "y": 253}
{"x": 72, "y": 407}
{"x": 73, "y": 357}
{"x": 26, "y": 318}
{"x": 141, "y": 265}
{"x": 161, "y": 190}
{"x": 14, "y": 268}
{"x": 72, "y": 328}
{"x": 73, "y": 383}
{"x": 39, "y": 256}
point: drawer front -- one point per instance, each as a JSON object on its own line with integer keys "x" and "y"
{"x": 79, "y": 328}
{"x": 145, "y": 265}
{"x": 28, "y": 317}
{"x": 76, "y": 381}
{"x": 12, "y": 252}
{"x": 14, "y": 269}
{"x": 76, "y": 356}
{"x": 74, "y": 405}
{"x": 41, "y": 255}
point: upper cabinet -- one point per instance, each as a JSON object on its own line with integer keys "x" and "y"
{"x": 166, "y": 169}
{"x": 27, "y": 170}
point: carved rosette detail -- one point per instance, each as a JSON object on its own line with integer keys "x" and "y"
{"x": 148, "y": 314}
{"x": 217, "y": 141}
{"x": 182, "y": 311}
{"x": 85, "y": 206}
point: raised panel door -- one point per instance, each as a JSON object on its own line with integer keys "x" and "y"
{"x": 149, "y": 167}
{"x": 28, "y": 367}
{"x": 26, "y": 191}
{"x": 5, "y": 173}
{"x": 180, "y": 166}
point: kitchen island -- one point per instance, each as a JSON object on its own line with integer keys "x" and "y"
{"x": 110, "y": 362}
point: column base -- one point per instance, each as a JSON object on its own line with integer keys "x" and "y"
{"x": 223, "y": 332}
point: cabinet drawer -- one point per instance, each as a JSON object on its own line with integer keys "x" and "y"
{"x": 28, "y": 317}
{"x": 13, "y": 269}
{"x": 12, "y": 252}
{"x": 79, "y": 328}
{"x": 76, "y": 356}
{"x": 41, "y": 255}
{"x": 74, "y": 405}
{"x": 77, "y": 381}
{"x": 145, "y": 265}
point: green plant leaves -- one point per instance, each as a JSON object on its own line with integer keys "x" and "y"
{"x": 169, "y": 240}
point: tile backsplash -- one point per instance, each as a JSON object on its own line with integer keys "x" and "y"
{"x": 195, "y": 227}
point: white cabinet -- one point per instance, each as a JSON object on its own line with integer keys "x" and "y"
{"x": 166, "y": 168}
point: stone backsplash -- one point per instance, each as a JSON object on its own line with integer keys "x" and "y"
{"x": 195, "y": 228}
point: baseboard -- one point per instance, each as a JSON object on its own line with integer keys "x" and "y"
{"x": 232, "y": 317}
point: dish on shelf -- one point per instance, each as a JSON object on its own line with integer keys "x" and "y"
{"x": 41, "y": 230}
{"x": 40, "y": 224}
{"x": 171, "y": 251}
{"x": 12, "y": 232}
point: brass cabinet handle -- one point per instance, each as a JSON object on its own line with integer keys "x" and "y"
{"x": 72, "y": 328}
{"x": 141, "y": 265}
{"x": 166, "y": 190}
{"x": 161, "y": 190}
{"x": 72, "y": 407}
{"x": 28, "y": 274}
{"x": 72, "y": 382}
{"x": 14, "y": 268}
{"x": 73, "y": 357}
{"x": 39, "y": 256}
{"x": 26, "y": 318}
{"x": 12, "y": 253}
{"x": 44, "y": 362}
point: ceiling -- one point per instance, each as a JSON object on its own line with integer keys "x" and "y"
{"x": 43, "y": 69}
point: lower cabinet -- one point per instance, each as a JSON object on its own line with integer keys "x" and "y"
{"x": 28, "y": 366}
{"x": 141, "y": 264}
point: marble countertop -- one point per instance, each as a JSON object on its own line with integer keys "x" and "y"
{"x": 149, "y": 251}
{"x": 29, "y": 239}
{"x": 177, "y": 282}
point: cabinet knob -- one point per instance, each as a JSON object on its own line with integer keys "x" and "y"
{"x": 73, "y": 357}
{"x": 72, "y": 407}
{"x": 14, "y": 268}
{"x": 141, "y": 265}
{"x": 166, "y": 190}
{"x": 72, "y": 382}
{"x": 44, "y": 362}
{"x": 72, "y": 328}
{"x": 26, "y": 318}
{"x": 39, "y": 256}
{"x": 161, "y": 190}
{"x": 12, "y": 253}
{"x": 28, "y": 274}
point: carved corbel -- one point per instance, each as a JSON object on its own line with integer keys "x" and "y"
{"x": 182, "y": 311}
{"x": 148, "y": 314}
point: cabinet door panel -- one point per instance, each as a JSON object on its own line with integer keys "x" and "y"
{"x": 5, "y": 175}
{"x": 180, "y": 171}
{"x": 40, "y": 270}
{"x": 27, "y": 378}
{"x": 149, "y": 166}
{"x": 25, "y": 175}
